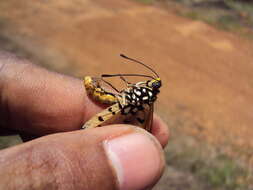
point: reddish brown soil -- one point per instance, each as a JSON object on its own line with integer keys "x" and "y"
{"x": 207, "y": 73}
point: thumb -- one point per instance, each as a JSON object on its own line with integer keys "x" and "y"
{"x": 112, "y": 157}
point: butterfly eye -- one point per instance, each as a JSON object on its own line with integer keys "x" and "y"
{"x": 156, "y": 84}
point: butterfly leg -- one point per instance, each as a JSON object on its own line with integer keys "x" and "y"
{"x": 127, "y": 83}
{"x": 109, "y": 84}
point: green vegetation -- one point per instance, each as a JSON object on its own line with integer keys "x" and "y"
{"x": 228, "y": 22}
{"x": 231, "y": 15}
{"x": 7, "y": 141}
{"x": 146, "y": 1}
{"x": 216, "y": 170}
{"x": 223, "y": 172}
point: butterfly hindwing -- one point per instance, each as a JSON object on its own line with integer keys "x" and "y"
{"x": 149, "y": 120}
{"x": 143, "y": 118}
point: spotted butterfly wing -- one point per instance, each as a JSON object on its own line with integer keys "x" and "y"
{"x": 113, "y": 115}
{"x": 109, "y": 115}
{"x": 142, "y": 118}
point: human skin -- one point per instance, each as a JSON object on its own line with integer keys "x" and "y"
{"x": 36, "y": 102}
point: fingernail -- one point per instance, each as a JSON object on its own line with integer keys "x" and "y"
{"x": 137, "y": 160}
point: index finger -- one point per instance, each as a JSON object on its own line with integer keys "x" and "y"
{"x": 33, "y": 99}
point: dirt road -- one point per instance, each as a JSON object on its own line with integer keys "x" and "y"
{"x": 207, "y": 73}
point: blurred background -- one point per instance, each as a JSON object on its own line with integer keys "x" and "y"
{"x": 202, "y": 49}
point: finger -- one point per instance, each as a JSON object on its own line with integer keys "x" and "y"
{"x": 113, "y": 157}
{"x": 160, "y": 130}
{"x": 35, "y": 100}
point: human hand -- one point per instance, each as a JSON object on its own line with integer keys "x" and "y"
{"x": 38, "y": 102}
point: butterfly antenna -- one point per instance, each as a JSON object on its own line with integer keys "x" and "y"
{"x": 127, "y": 75}
{"x": 136, "y": 61}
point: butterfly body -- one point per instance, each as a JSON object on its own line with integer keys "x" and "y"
{"x": 133, "y": 105}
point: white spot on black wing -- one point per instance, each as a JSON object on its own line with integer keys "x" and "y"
{"x": 126, "y": 110}
{"x": 135, "y": 109}
{"x": 137, "y": 92}
{"x": 128, "y": 97}
{"x": 145, "y": 98}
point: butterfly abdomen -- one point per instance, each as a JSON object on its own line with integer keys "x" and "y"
{"x": 97, "y": 93}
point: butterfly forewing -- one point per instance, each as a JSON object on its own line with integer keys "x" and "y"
{"x": 113, "y": 115}
{"x": 105, "y": 117}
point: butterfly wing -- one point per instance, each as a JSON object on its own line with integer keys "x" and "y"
{"x": 142, "y": 118}
{"x": 108, "y": 116}
{"x": 113, "y": 115}
{"x": 149, "y": 118}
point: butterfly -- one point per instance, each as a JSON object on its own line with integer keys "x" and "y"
{"x": 132, "y": 105}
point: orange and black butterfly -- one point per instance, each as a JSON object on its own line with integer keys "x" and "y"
{"x": 133, "y": 105}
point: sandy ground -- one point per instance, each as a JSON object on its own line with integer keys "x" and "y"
{"x": 207, "y": 73}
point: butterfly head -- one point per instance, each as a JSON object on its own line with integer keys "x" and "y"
{"x": 154, "y": 84}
